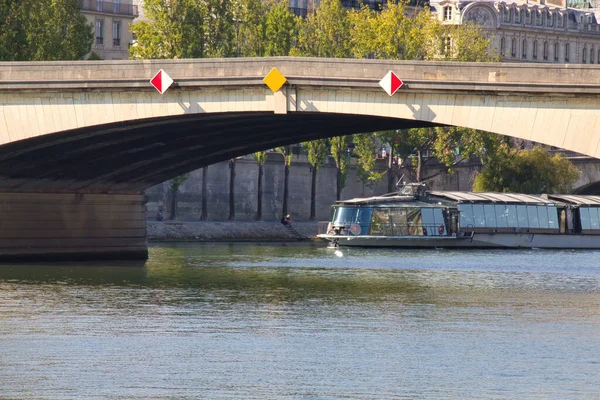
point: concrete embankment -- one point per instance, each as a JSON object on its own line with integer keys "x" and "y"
{"x": 212, "y": 231}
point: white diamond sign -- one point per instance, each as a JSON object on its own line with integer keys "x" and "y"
{"x": 390, "y": 83}
{"x": 161, "y": 81}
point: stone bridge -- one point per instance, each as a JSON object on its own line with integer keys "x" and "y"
{"x": 80, "y": 141}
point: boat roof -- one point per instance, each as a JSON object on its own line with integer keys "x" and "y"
{"x": 387, "y": 200}
{"x": 576, "y": 199}
{"x": 506, "y": 198}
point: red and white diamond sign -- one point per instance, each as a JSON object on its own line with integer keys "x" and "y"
{"x": 390, "y": 83}
{"x": 161, "y": 81}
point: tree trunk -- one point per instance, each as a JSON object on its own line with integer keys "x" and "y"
{"x": 231, "y": 190}
{"x": 313, "y": 193}
{"x": 204, "y": 214}
{"x": 260, "y": 194}
{"x": 286, "y": 179}
{"x": 390, "y": 171}
{"x": 419, "y": 166}
{"x": 173, "y": 211}
{"x": 338, "y": 184}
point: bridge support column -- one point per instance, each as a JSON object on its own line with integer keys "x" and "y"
{"x": 72, "y": 226}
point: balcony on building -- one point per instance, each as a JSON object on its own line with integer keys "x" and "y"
{"x": 110, "y": 7}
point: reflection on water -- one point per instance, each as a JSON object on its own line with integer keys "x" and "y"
{"x": 298, "y": 322}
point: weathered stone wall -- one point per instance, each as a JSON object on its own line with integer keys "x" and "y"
{"x": 189, "y": 204}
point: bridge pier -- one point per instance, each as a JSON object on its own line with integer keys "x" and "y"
{"x": 72, "y": 226}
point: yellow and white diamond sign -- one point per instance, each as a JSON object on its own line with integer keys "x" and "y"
{"x": 274, "y": 80}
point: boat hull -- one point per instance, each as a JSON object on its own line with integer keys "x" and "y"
{"x": 478, "y": 240}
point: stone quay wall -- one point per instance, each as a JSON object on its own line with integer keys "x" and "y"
{"x": 189, "y": 200}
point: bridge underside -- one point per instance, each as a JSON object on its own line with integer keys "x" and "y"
{"x": 132, "y": 156}
{"x": 79, "y": 194}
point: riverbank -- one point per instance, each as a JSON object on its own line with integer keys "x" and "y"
{"x": 231, "y": 231}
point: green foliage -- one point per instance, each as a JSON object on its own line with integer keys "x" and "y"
{"x": 316, "y": 152}
{"x": 366, "y": 148}
{"x": 287, "y": 155}
{"x": 250, "y": 28}
{"x": 280, "y": 29}
{"x": 339, "y": 151}
{"x": 260, "y": 157}
{"x": 43, "y": 30}
{"x": 177, "y": 182}
{"x": 324, "y": 33}
{"x": 526, "y": 171}
{"x": 173, "y": 29}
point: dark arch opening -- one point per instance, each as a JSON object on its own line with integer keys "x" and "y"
{"x": 134, "y": 155}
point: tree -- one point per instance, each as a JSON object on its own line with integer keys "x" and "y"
{"x": 249, "y": 18}
{"x": 231, "y": 189}
{"x": 366, "y": 148}
{"x": 339, "y": 151}
{"x": 204, "y": 214}
{"x": 172, "y": 29}
{"x": 287, "y": 162}
{"x": 324, "y": 33}
{"x": 260, "y": 158}
{"x": 43, "y": 30}
{"x": 316, "y": 154}
{"x": 526, "y": 171}
{"x": 280, "y": 29}
{"x": 174, "y": 187}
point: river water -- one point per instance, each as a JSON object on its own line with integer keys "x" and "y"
{"x": 281, "y": 321}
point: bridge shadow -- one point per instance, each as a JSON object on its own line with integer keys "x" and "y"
{"x": 138, "y": 154}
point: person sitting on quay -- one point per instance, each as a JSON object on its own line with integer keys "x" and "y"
{"x": 287, "y": 220}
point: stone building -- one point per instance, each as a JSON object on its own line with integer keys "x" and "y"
{"x": 550, "y": 31}
{"x": 111, "y": 21}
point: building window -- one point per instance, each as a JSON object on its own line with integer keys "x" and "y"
{"x": 528, "y": 17}
{"x": 584, "y": 55}
{"x": 567, "y": 49}
{"x": 506, "y": 14}
{"x": 99, "y": 31}
{"x": 513, "y": 48}
{"x": 555, "y": 51}
{"x": 559, "y": 20}
{"x": 446, "y": 45}
{"x": 117, "y": 6}
{"x": 116, "y": 33}
{"x": 502, "y": 46}
{"x": 538, "y": 18}
{"x": 598, "y": 58}
{"x": 545, "y": 50}
{"x": 524, "y": 49}
{"x": 99, "y": 5}
{"x": 447, "y": 13}
{"x": 592, "y": 52}
{"x": 549, "y": 21}
{"x": 518, "y": 16}
{"x": 535, "y": 49}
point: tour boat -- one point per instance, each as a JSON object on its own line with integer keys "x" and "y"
{"x": 414, "y": 217}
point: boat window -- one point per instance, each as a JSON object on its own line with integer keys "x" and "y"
{"x": 438, "y": 217}
{"x": 501, "y": 215}
{"x": 552, "y": 217}
{"x": 543, "y": 215}
{"x": 380, "y": 222}
{"x": 428, "y": 220}
{"x": 415, "y": 223}
{"x": 584, "y": 214}
{"x": 478, "y": 216}
{"x": 466, "y": 215}
{"x": 594, "y": 218}
{"x": 522, "y": 217}
{"x": 345, "y": 215}
{"x": 512, "y": 216}
{"x": 490, "y": 215}
{"x": 534, "y": 219}
{"x": 364, "y": 219}
{"x": 399, "y": 222}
